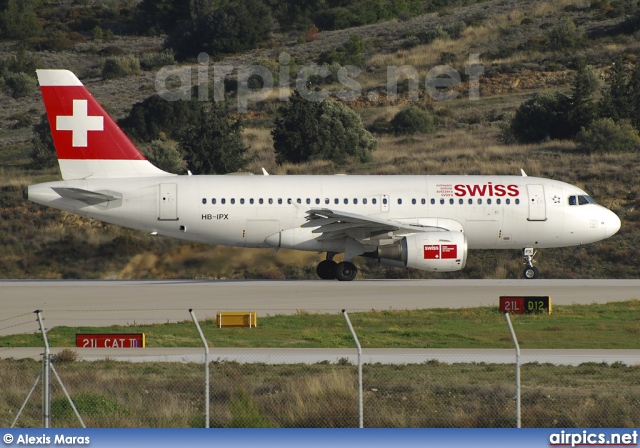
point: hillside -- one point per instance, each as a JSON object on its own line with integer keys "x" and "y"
{"x": 514, "y": 41}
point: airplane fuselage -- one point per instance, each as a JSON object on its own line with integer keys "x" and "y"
{"x": 494, "y": 212}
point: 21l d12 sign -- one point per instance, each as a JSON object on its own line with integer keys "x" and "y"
{"x": 525, "y": 304}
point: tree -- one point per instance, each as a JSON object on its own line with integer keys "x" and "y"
{"x": 615, "y": 101}
{"x": 231, "y": 28}
{"x": 327, "y": 130}
{"x": 542, "y": 117}
{"x": 213, "y": 143}
{"x": 154, "y": 115}
{"x": 556, "y": 116}
{"x": 583, "y": 109}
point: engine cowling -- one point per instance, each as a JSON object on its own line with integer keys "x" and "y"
{"x": 429, "y": 251}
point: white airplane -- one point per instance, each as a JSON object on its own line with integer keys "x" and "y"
{"x": 420, "y": 222}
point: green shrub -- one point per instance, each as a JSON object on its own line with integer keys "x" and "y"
{"x": 97, "y": 33}
{"x": 566, "y": 36}
{"x": 166, "y": 155}
{"x": 18, "y": 20}
{"x": 19, "y": 85}
{"x": 604, "y": 135}
{"x": 412, "y": 120}
{"x": 150, "y": 61}
{"x": 43, "y": 152}
{"x": 120, "y": 67}
{"x": 320, "y": 130}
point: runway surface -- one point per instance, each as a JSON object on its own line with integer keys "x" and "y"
{"x": 102, "y": 303}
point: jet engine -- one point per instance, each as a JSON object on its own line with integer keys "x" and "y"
{"x": 429, "y": 251}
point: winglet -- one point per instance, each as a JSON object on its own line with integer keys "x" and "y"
{"x": 89, "y": 144}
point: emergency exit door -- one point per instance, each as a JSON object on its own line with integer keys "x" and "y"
{"x": 537, "y": 206}
{"x": 168, "y": 209}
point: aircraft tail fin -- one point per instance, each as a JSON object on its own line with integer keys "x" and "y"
{"x": 89, "y": 144}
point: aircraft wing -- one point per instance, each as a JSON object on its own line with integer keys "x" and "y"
{"x": 86, "y": 196}
{"x": 333, "y": 224}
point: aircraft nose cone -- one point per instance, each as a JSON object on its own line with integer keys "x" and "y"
{"x": 612, "y": 224}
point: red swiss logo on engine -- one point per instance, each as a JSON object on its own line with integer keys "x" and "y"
{"x": 440, "y": 251}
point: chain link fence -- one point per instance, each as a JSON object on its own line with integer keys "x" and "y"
{"x": 300, "y": 388}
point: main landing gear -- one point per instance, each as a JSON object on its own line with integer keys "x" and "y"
{"x": 530, "y": 271}
{"x": 330, "y": 270}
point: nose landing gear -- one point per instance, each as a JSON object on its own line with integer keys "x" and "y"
{"x": 530, "y": 271}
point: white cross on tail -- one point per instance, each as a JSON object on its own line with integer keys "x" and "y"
{"x": 79, "y": 123}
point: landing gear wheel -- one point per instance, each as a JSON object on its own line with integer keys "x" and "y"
{"x": 531, "y": 272}
{"x": 345, "y": 271}
{"x": 326, "y": 269}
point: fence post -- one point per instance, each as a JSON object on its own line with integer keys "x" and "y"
{"x": 206, "y": 368}
{"x": 518, "y": 391}
{"x": 360, "y": 401}
{"x": 46, "y": 376}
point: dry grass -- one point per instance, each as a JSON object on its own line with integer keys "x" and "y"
{"x": 121, "y": 394}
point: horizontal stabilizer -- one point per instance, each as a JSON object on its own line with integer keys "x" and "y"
{"x": 86, "y": 196}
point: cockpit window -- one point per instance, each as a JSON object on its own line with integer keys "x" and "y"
{"x": 581, "y": 200}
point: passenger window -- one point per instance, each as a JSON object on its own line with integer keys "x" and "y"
{"x": 433, "y": 201}
{"x": 461, "y": 201}
{"x": 213, "y": 201}
{"x": 346, "y": 201}
{"x": 489, "y": 201}
{"x": 517, "y": 201}
{"x": 318, "y": 201}
{"x": 374, "y": 201}
{"x": 242, "y": 200}
{"x": 424, "y": 201}
{"x": 508, "y": 201}
{"x": 270, "y": 201}
{"x": 479, "y": 201}
{"x": 451, "y": 201}
{"x": 233, "y": 200}
{"x": 498, "y": 201}
{"x": 289, "y": 201}
{"x": 260, "y": 201}
{"x": 399, "y": 201}
{"x": 364, "y": 201}
{"x": 414, "y": 202}
{"x": 223, "y": 201}
{"x": 442, "y": 201}
{"x": 279, "y": 200}
{"x": 470, "y": 201}
{"x": 355, "y": 201}
{"x": 308, "y": 201}
{"x": 204, "y": 200}
{"x": 336, "y": 201}
{"x": 326, "y": 200}
{"x": 251, "y": 201}
{"x": 384, "y": 201}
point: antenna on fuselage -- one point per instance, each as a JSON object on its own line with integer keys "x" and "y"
{"x": 523, "y": 173}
